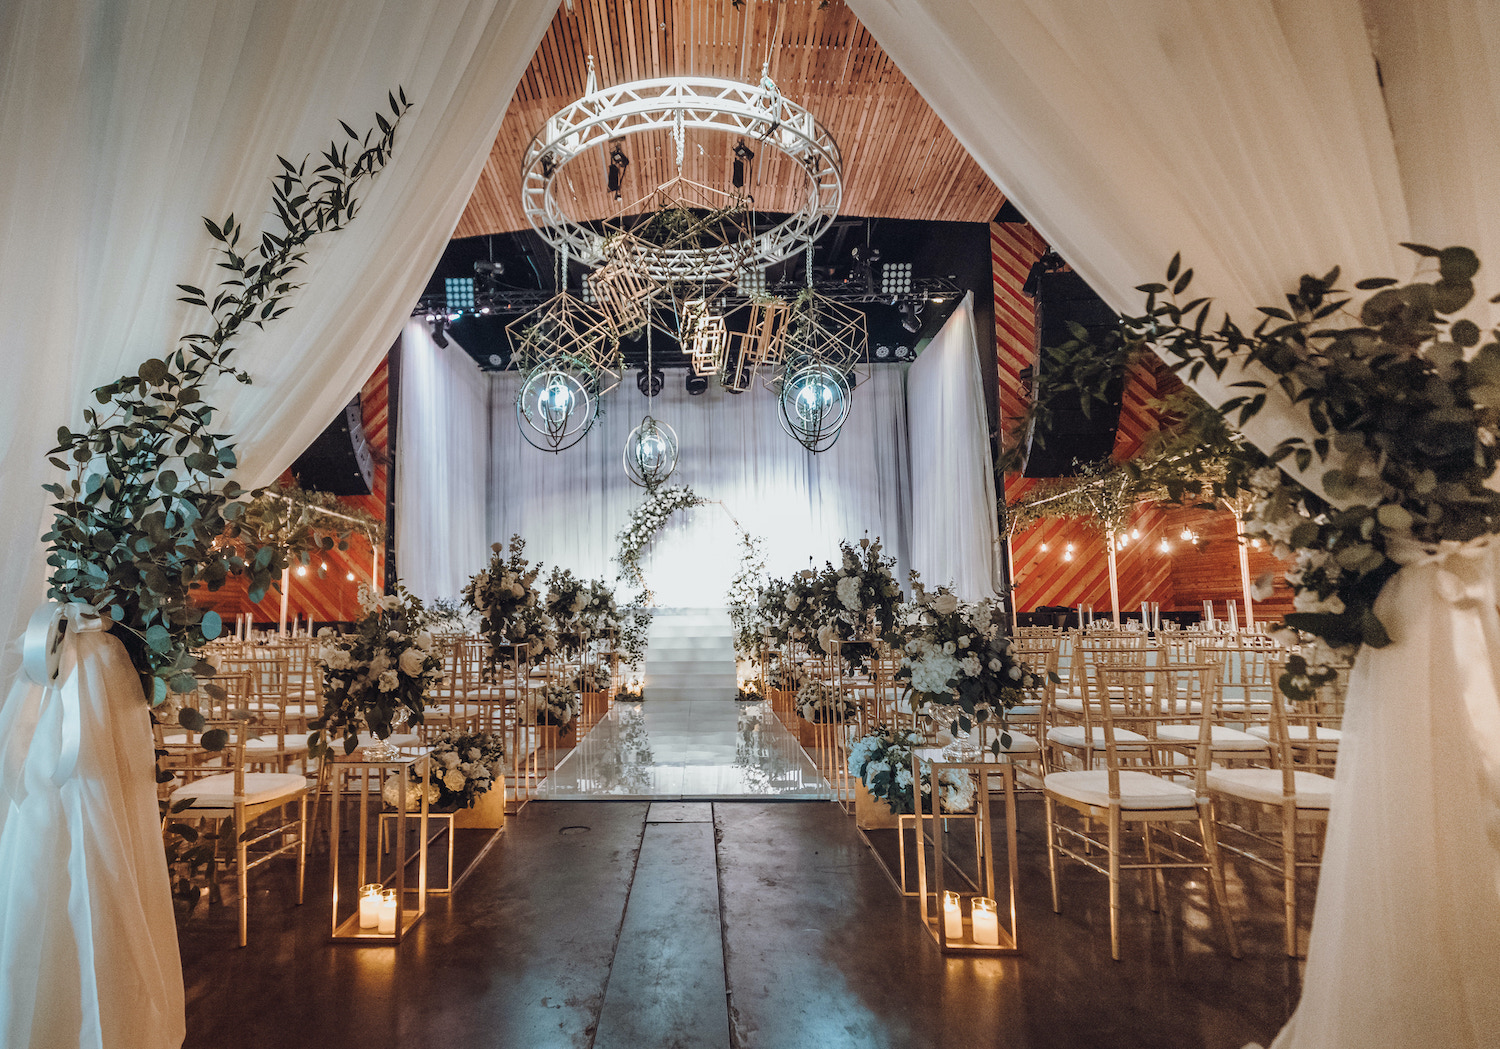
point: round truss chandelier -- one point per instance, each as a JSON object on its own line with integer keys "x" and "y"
{"x": 650, "y": 453}
{"x": 557, "y": 404}
{"x": 604, "y": 117}
{"x": 813, "y": 404}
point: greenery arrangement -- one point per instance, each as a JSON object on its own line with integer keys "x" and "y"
{"x": 1403, "y": 400}
{"x": 456, "y": 770}
{"x": 378, "y": 676}
{"x": 744, "y": 596}
{"x": 138, "y": 525}
{"x": 301, "y": 523}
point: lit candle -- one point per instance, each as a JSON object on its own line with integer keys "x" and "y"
{"x": 369, "y": 906}
{"x": 986, "y": 922}
{"x": 953, "y": 916}
{"x": 388, "y": 911}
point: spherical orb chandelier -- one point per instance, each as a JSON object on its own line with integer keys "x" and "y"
{"x": 650, "y": 453}
{"x": 814, "y": 402}
{"x": 557, "y": 404}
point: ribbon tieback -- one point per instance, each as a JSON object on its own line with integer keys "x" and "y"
{"x": 47, "y": 656}
{"x": 1460, "y": 576}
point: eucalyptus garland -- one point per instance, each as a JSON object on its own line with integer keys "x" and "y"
{"x": 137, "y": 526}
{"x": 1404, "y": 403}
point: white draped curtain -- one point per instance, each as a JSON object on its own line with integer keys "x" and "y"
{"x": 1255, "y": 138}
{"x": 955, "y": 531}
{"x": 442, "y": 465}
{"x": 122, "y": 124}
{"x": 569, "y": 506}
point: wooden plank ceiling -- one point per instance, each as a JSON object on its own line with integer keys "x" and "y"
{"x": 900, "y": 161}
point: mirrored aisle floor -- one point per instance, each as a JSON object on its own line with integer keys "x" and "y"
{"x": 705, "y": 745}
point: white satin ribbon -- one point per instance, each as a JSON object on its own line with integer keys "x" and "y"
{"x": 1459, "y": 579}
{"x": 48, "y": 655}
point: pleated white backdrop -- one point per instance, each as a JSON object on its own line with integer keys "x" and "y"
{"x": 466, "y": 477}
{"x": 569, "y": 506}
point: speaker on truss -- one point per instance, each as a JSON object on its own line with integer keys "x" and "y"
{"x": 339, "y": 461}
{"x": 1063, "y": 298}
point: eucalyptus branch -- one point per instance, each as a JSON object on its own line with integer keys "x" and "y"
{"x": 138, "y": 523}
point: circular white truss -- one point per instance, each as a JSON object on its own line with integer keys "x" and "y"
{"x": 682, "y": 104}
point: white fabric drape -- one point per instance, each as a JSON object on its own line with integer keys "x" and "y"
{"x": 955, "y": 535}
{"x": 569, "y": 506}
{"x": 122, "y": 124}
{"x": 1254, "y": 137}
{"x": 442, "y": 466}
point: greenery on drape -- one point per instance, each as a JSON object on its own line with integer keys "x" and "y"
{"x": 302, "y": 523}
{"x": 139, "y": 523}
{"x": 1403, "y": 401}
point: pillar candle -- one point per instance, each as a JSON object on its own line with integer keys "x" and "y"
{"x": 986, "y": 922}
{"x": 388, "y": 912}
{"x": 369, "y": 907}
{"x": 953, "y": 916}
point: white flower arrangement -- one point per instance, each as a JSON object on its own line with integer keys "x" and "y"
{"x": 511, "y": 611}
{"x": 819, "y": 702}
{"x": 457, "y": 769}
{"x": 388, "y": 664}
{"x": 552, "y": 704}
{"x": 882, "y": 761}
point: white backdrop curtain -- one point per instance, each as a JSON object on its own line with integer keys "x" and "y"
{"x": 570, "y": 505}
{"x": 1254, "y": 137}
{"x": 442, "y": 465}
{"x": 123, "y": 123}
{"x": 955, "y": 535}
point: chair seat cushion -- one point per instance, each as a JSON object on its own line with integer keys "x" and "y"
{"x": 1073, "y": 736}
{"x": 253, "y": 747}
{"x": 217, "y": 792}
{"x": 1265, "y": 786}
{"x": 1300, "y": 734}
{"x": 1225, "y": 739}
{"x": 1138, "y": 790}
{"x": 1020, "y": 743}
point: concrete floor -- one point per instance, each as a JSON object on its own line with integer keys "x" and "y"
{"x": 731, "y": 924}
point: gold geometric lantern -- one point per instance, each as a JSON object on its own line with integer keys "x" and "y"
{"x": 567, "y": 327}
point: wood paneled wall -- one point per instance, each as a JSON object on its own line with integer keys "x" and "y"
{"x": 900, "y": 161}
{"x": 328, "y": 595}
{"x": 1184, "y": 575}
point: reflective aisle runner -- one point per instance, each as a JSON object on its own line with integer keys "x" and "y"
{"x": 688, "y": 738}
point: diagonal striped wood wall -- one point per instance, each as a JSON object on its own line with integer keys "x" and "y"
{"x": 1180, "y": 578}
{"x": 328, "y": 595}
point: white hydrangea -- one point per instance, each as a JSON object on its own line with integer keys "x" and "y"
{"x": 945, "y": 604}
{"x": 848, "y": 593}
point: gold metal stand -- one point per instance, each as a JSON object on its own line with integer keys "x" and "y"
{"x": 361, "y": 769}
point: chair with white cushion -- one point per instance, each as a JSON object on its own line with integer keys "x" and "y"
{"x": 215, "y": 786}
{"x": 1147, "y": 784}
{"x": 1296, "y": 794}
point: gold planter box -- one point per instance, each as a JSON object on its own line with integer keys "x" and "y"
{"x": 488, "y": 812}
{"x": 870, "y": 813}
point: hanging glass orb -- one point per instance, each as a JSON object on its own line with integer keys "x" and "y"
{"x": 650, "y": 453}
{"x": 557, "y": 405}
{"x": 814, "y": 402}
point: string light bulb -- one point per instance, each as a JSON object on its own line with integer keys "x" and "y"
{"x": 350, "y": 577}
{"x": 302, "y": 570}
{"x": 1165, "y": 546}
{"x": 1044, "y": 547}
{"x": 1135, "y": 533}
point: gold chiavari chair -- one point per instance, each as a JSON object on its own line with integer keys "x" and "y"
{"x": 1150, "y": 786}
{"x": 215, "y": 786}
{"x": 1296, "y": 794}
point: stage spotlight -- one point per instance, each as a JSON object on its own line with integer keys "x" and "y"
{"x": 439, "y": 325}
{"x": 618, "y": 162}
{"x": 650, "y": 383}
{"x": 742, "y": 158}
{"x": 911, "y": 318}
{"x": 696, "y": 384}
{"x": 491, "y": 267}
